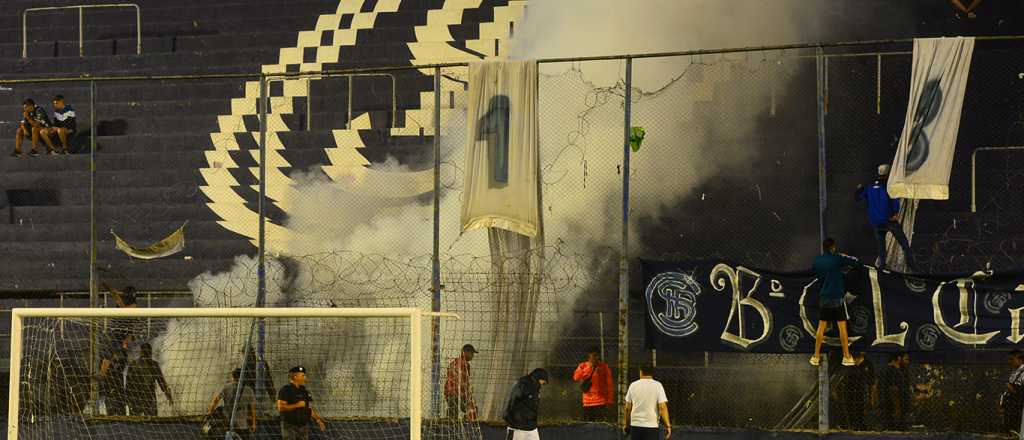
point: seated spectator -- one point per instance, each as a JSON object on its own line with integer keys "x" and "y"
{"x": 33, "y": 124}
{"x": 63, "y": 123}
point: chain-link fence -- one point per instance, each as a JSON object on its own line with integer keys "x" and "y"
{"x": 342, "y": 166}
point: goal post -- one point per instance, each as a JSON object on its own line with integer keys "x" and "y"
{"x": 384, "y": 334}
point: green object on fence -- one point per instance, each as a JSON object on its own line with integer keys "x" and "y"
{"x": 636, "y": 137}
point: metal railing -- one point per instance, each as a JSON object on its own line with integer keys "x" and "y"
{"x": 974, "y": 174}
{"x": 81, "y": 24}
{"x": 348, "y": 120}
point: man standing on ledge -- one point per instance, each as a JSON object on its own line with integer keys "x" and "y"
{"x": 295, "y": 405}
{"x": 523, "y": 406}
{"x": 829, "y": 266}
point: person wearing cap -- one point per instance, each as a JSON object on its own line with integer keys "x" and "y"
{"x": 523, "y": 406}
{"x": 882, "y": 212}
{"x": 245, "y": 410}
{"x": 595, "y": 380}
{"x": 645, "y": 400}
{"x": 457, "y": 390}
{"x": 295, "y": 405}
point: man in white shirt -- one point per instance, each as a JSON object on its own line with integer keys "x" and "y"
{"x": 645, "y": 399}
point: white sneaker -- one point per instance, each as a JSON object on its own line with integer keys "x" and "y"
{"x": 849, "y": 362}
{"x": 815, "y": 360}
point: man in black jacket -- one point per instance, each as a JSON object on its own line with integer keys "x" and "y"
{"x": 523, "y": 405}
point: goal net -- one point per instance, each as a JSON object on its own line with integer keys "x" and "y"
{"x": 171, "y": 373}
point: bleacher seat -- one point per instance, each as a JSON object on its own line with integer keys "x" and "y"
{"x": 155, "y": 139}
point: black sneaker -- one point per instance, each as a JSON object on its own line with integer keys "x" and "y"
{"x": 15, "y": 154}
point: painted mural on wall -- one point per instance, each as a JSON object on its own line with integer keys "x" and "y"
{"x": 724, "y": 306}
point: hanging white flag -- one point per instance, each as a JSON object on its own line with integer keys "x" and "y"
{"x": 502, "y": 157}
{"x": 924, "y": 156}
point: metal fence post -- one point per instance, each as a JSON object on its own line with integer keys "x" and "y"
{"x": 624, "y": 257}
{"x": 823, "y": 386}
{"x": 261, "y": 282}
{"x": 94, "y": 390}
{"x": 435, "y": 322}
{"x": 348, "y": 124}
{"x": 81, "y": 31}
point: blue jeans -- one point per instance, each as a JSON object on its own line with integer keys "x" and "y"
{"x": 897, "y": 231}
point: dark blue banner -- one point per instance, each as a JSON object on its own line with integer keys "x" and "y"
{"x": 723, "y": 306}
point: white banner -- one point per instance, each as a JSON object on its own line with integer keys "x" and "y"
{"x": 925, "y": 153}
{"x": 502, "y": 181}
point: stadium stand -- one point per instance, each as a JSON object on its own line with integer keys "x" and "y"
{"x": 156, "y": 139}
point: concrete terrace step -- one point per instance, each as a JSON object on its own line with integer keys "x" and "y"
{"x": 95, "y": 47}
{"x": 137, "y": 212}
{"x": 77, "y": 93}
{"x": 110, "y": 179}
{"x": 178, "y": 193}
{"x": 59, "y": 251}
{"x": 73, "y": 275}
{"x": 192, "y": 61}
{"x": 191, "y": 26}
{"x": 135, "y": 232}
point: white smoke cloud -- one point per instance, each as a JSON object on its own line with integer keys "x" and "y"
{"x": 581, "y": 154}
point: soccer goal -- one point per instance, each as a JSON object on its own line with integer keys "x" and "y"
{"x": 169, "y": 373}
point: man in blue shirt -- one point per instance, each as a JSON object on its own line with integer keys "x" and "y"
{"x": 63, "y": 123}
{"x": 830, "y": 267}
{"x": 882, "y": 212}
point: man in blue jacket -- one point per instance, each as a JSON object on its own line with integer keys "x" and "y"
{"x": 882, "y": 212}
{"x": 830, "y": 267}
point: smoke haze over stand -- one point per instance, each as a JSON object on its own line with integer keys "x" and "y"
{"x": 581, "y": 153}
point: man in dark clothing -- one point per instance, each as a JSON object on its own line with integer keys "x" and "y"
{"x": 894, "y": 387}
{"x": 829, "y": 267}
{"x": 244, "y": 411}
{"x": 33, "y": 125}
{"x": 523, "y": 406}
{"x": 63, "y": 123}
{"x": 882, "y": 212}
{"x": 126, "y": 299}
{"x": 251, "y": 373}
{"x": 143, "y": 374}
{"x": 294, "y": 404}
{"x": 113, "y": 361}
{"x": 1012, "y": 400}
{"x": 858, "y": 387}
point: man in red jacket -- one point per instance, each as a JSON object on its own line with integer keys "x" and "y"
{"x": 599, "y": 396}
{"x": 457, "y": 390}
